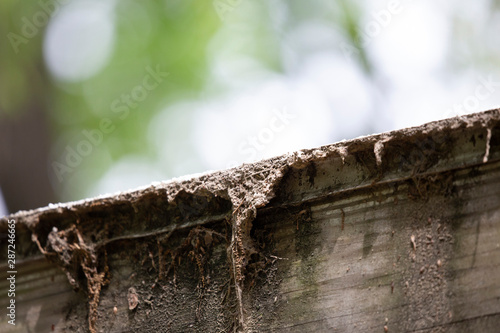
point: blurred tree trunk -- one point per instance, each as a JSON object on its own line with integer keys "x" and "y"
{"x": 24, "y": 117}
{"x": 24, "y": 149}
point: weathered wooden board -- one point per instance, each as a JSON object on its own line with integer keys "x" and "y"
{"x": 396, "y": 232}
{"x": 349, "y": 262}
{"x": 43, "y": 295}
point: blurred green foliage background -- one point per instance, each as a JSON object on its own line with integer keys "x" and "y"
{"x": 83, "y": 71}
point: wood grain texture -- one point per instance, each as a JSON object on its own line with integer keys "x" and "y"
{"x": 353, "y": 279}
{"x": 396, "y": 232}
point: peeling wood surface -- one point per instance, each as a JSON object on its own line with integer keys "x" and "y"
{"x": 397, "y": 231}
